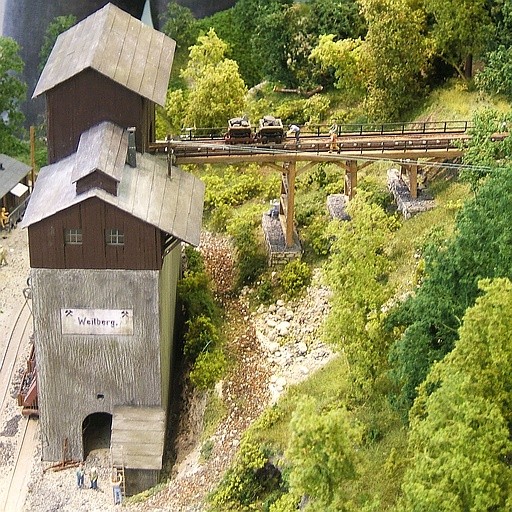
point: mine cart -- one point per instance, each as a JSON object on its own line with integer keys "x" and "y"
{"x": 239, "y": 131}
{"x": 270, "y": 129}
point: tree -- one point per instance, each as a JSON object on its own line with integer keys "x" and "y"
{"x": 459, "y": 440}
{"x": 496, "y": 77}
{"x": 56, "y": 27}
{"x": 481, "y": 247}
{"x": 180, "y": 25}
{"x": 322, "y": 455}
{"x": 482, "y": 154}
{"x": 459, "y": 30}
{"x": 217, "y": 91}
{"x": 12, "y": 94}
{"x": 357, "y": 272}
{"x": 395, "y": 56}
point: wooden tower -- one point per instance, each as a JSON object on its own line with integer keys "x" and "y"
{"x": 105, "y": 225}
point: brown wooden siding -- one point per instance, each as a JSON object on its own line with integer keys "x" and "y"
{"x": 142, "y": 247}
{"x": 96, "y": 180}
{"x": 90, "y": 98}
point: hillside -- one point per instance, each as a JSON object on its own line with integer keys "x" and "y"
{"x": 378, "y": 425}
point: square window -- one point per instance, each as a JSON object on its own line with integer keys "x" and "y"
{"x": 73, "y": 236}
{"x": 114, "y": 237}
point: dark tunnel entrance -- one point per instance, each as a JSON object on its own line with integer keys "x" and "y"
{"x": 96, "y": 431}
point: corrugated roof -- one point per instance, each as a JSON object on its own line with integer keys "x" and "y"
{"x": 117, "y": 45}
{"x": 13, "y": 172}
{"x": 173, "y": 204}
{"x": 138, "y": 435}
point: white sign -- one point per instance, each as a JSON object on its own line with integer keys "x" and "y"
{"x": 97, "y": 321}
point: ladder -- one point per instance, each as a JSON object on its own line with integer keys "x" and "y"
{"x": 120, "y": 471}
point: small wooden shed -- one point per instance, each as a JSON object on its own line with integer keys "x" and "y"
{"x": 109, "y": 67}
{"x": 14, "y": 186}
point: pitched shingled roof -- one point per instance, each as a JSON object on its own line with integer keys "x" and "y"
{"x": 117, "y": 45}
{"x": 12, "y": 173}
{"x": 173, "y": 204}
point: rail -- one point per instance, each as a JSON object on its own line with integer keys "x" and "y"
{"x": 204, "y": 149}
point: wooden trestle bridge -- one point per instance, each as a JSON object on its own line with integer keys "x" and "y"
{"x": 358, "y": 146}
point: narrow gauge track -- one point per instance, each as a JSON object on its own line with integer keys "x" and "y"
{"x": 315, "y": 148}
{"x": 421, "y": 138}
{"x": 13, "y": 497}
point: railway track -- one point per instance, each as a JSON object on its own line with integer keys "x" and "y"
{"x": 13, "y": 493}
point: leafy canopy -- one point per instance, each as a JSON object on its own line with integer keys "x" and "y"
{"x": 12, "y": 94}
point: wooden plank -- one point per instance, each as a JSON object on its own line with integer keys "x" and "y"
{"x": 141, "y": 462}
{"x": 182, "y": 207}
{"x": 170, "y": 202}
{"x": 138, "y": 413}
{"x": 157, "y": 193}
{"x": 143, "y": 193}
{"x": 140, "y": 56}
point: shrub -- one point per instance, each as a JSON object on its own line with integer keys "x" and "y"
{"x": 208, "y": 369}
{"x": 248, "y": 478}
{"x": 295, "y": 276}
{"x": 194, "y": 292}
{"x": 201, "y": 336}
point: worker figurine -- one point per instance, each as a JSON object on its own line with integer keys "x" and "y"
{"x": 3, "y": 256}
{"x": 93, "y": 477}
{"x": 295, "y": 130}
{"x": 4, "y": 217}
{"x": 333, "y": 137}
{"x": 116, "y": 486}
{"x": 80, "y": 474}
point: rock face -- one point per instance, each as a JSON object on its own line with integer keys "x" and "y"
{"x": 26, "y": 22}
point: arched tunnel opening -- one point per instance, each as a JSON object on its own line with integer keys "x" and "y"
{"x": 96, "y": 432}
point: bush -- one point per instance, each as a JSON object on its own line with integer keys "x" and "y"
{"x": 208, "y": 369}
{"x": 201, "y": 336}
{"x": 248, "y": 478}
{"x": 252, "y": 259}
{"x": 194, "y": 292}
{"x": 295, "y": 276}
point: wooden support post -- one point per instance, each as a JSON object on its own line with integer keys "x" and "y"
{"x": 32, "y": 156}
{"x": 287, "y": 203}
{"x": 351, "y": 179}
{"x": 413, "y": 180}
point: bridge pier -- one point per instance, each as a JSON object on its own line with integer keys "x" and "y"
{"x": 287, "y": 201}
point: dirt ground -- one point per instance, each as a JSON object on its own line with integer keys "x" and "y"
{"x": 267, "y": 362}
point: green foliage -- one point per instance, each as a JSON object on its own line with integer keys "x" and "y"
{"x": 194, "y": 263}
{"x": 194, "y": 292}
{"x": 481, "y": 153}
{"x": 208, "y": 368}
{"x": 459, "y": 30}
{"x": 459, "y": 439}
{"x": 295, "y": 277}
{"x": 393, "y": 56}
{"x": 316, "y": 236}
{"x": 180, "y": 25}
{"x": 322, "y": 455}
{"x": 357, "y": 272}
{"x": 248, "y": 478}
{"x": 496, "y": 77}
{"x": 56, "y": 27}
{"x": 233, "y": 187}
{"x": 251, "y": 258}
{"x": 481, "y": 247}
{"x": 201, "y": 336}
{"x": 173, "y": 116}
{"x": 12, "y": 94}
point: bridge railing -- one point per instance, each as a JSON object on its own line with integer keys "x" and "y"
{"x": 360, "y": 129}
